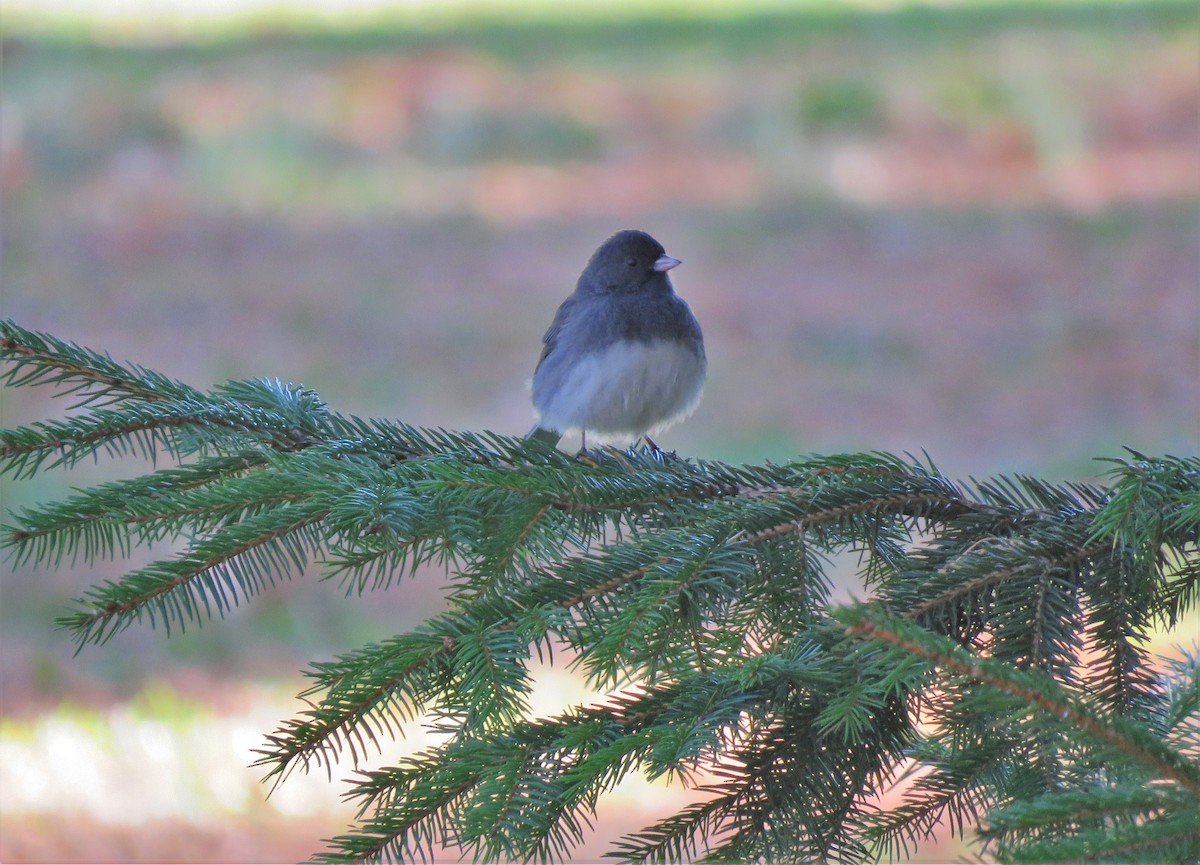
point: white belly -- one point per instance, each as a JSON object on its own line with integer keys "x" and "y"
{"x": 628, "y": 390}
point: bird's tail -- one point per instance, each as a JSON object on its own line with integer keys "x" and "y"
{"x": 547, "y": 437}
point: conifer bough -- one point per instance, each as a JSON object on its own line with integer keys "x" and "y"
{"x": 998, "y": 681}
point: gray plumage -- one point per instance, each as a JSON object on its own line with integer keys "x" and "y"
{"x": 624, "y": 355}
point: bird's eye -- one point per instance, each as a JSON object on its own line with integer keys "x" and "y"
{"x": 631, "y": 261}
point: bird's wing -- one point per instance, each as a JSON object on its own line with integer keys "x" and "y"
{"x": 550, "y": 338}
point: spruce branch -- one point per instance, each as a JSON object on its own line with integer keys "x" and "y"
{"x": 562, "y": 765}
{"x": 1004, "y": 668}
{"x": 1153, "y": 513}
{"x": 366, "y": 694}
{"x": 39, "y": 358}
{"x": 1172, "y": 837}
{"x": 1176, "y": 709}
{"x": 1028, "y": 690}
{"x": 984, "y": 561}
{"x": 957, "y": 786}
{"x": 630, "y": 638}
{"x": 1070, "y": 808}
{"x": 107, "y": 520}
{"x": 238, "y": 562}
{"x": 178, "y": 428}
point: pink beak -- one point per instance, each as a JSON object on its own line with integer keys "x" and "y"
{"x": 665, "y": 263}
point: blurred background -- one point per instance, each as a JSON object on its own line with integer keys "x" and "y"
{"x": 963, "y": 228}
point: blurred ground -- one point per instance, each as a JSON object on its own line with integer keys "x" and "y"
{"x": 965, "y": 230}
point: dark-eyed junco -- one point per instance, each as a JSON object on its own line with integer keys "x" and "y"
{"x": 624, "y": 356}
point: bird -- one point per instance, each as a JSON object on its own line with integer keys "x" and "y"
{"x": 624, "y": 356}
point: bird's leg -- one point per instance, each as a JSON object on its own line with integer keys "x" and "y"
{"x": 583, "y": 451}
